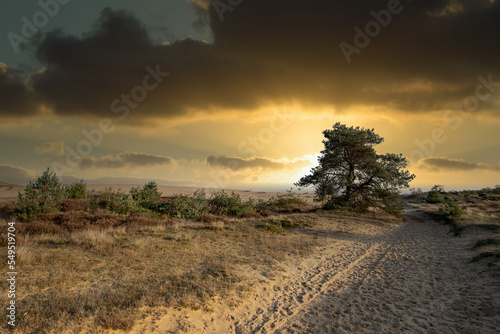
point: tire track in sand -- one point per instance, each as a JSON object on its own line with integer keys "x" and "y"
{"x": 304, "y": 294}
{"x": 414, "y": 279}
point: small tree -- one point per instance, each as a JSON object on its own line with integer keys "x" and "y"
{"x": 77, "y": 190}
{"x": 352, "y": 176}
{"x": 148, "y": 196}
{"x": 450, "y": 208}
{"x": 434, "y": 195}
{"x": 43, "y": 196}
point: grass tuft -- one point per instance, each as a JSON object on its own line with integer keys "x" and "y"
{"x": 92, "y": 238}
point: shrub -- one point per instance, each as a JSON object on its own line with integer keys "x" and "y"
{"x": 392, "y": 204}
{"x": 223, "y": 204}
{"x": 416, "y": 191}
{"x": 450, "y": 208}
{"x": 148, "y": 196}
{"x": 182, "y": 206}
{"x": 196, "y": 206}
{"x": 434, "y": 195}
{"x": 338, "y": 203}
{"x": 77, "y": 190}
{"x": 118, "y": 202}
{"x": 488, "y": 190}
{"x": 288, "y": 201}
{"x": 200, "y": 202}
{"x": 39, "y": 198}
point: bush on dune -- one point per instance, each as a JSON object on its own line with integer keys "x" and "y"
{"x": 434, "y": 196}
{"x": 77, "y": 190}
{"x": 181, "y": 206}
{"x": 288, "y": 201}
{"x": 148, "y": 196}
{"x": 223, "y": 204}
{"x": 450, "y": 208}
{"x": 43, "y": 196}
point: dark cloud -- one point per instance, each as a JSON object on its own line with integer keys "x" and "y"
{"x": 235, "y": 163}
{"x": 127, "y": 159}
{"x": 15, "y": 99}
{"x": 16, "y": 175}
{"x": 447, "y": 164}
{"x": 427, "y": 58}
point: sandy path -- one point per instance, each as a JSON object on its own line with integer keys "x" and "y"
{"x": 416, "y": 278}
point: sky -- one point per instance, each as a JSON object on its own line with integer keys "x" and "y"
{"x": 236, "y": 93}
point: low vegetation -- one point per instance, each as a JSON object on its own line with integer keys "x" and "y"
{"x": 47, "y": 200}
{"x": 450, "y": 209}
{"x": 434, "y": 196}
{"x": 93, "y": 273}
{"x": 471, "y": 210}
{"x": 91, "y": 261}
{"x": 77, "y": 190}
{"x": 42, "y": 197}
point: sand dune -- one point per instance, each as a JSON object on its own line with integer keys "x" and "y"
{"x": 9, "y": 190}
{"x": 410, "y": 278}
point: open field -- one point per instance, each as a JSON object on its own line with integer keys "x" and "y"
{"x": 296, "y": 272}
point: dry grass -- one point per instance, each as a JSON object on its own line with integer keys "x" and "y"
{"x": 216, "y": 225}
{"x": 182, "y": 236}
{"x": 24, "y": 254}
{"x": 208, "y": 218}
{"x": 87, "y": 273}
{"x": 48, "y": 239}
{"x": 92, "y": 238}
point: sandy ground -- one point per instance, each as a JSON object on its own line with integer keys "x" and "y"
{"x": 413, "y": 277}
{"x": 9, "y": 190}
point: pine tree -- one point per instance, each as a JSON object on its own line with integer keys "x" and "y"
{"x": 41, "y": 197}
{"x": 352, "y": 176}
